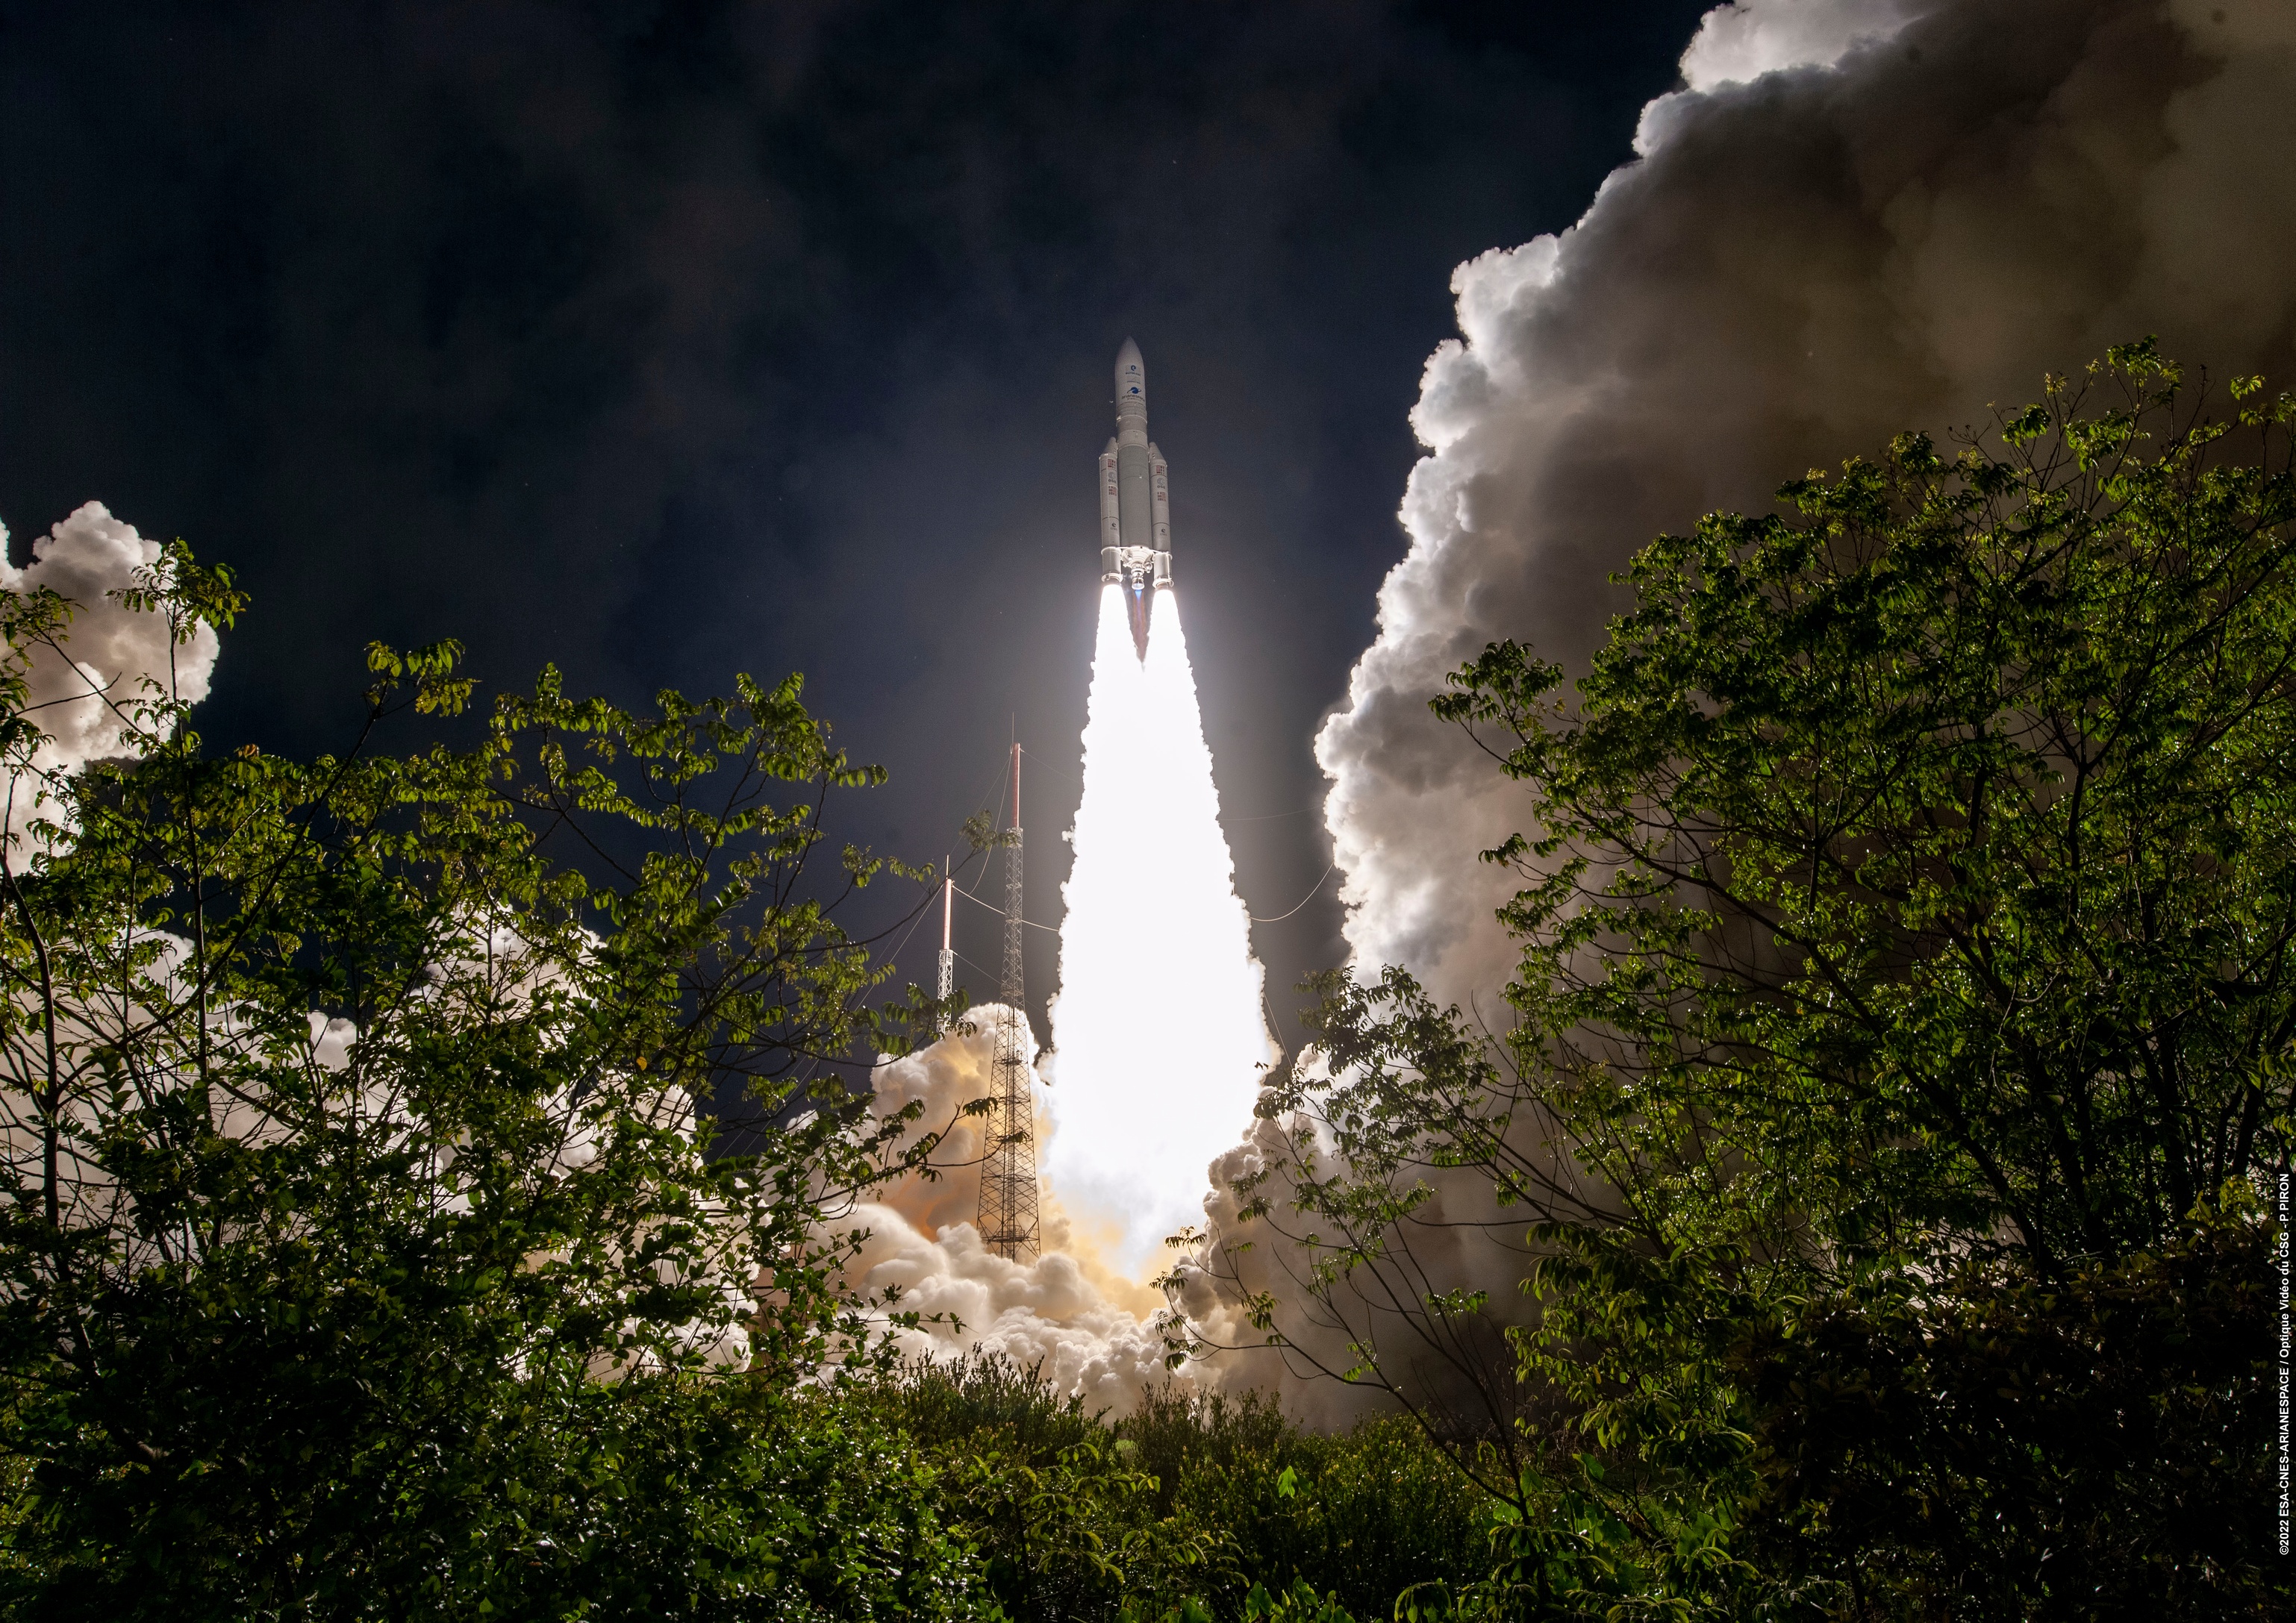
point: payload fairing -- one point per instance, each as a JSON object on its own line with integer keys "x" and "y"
{"x": 1136, "y": 504}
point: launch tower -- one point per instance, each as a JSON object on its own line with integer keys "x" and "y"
{"x": 1007, "y": 1219}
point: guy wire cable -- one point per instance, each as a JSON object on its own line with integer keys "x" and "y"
{"x": 1304, "y": 900}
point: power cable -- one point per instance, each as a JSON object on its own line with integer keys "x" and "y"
{"x": 1063, "y": 771}
{"x": 1000, "y": 912}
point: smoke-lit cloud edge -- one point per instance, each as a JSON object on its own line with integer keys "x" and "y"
{"x": 1856, "y": 216}
{"x": 111, "y": 657}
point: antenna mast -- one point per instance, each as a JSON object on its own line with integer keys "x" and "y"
{"x": 947, "y": 957}
{"x": 1008, "y": 1176}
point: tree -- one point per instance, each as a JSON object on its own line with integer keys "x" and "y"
{"x": 1909, "y": 985}
{"x": 374, "y": 1240}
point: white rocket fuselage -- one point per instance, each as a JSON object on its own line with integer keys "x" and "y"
{"x": 1136, "y": 501}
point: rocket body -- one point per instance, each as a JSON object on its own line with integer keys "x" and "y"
{"x": 1135, "y": 505}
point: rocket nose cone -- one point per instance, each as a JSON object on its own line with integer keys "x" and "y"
{"x": 1131, "y": 375}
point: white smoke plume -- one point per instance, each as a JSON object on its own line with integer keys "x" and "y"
{"x": 1855, "y": 217}
{"x": 1858, "y": 217}
{"x": 111, "y": 653}
{"x": 1158, "y": 1031}
{"x": 1737, "y": 44}
{"x": 1088, "y": 1328}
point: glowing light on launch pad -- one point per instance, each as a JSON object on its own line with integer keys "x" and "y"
{"x": 1157, "y": 1031}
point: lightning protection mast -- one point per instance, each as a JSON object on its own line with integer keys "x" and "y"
{"x": 1008, "y": 1176}
{"x": 947, "y": 957}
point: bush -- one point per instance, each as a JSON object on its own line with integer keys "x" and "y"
{"x": 1193, "y": 1505}
{"x": 368, "y": 1244}
{"x": 1901, "y": 1043}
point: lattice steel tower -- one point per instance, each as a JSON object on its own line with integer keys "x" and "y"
{"x": 1008, "y": 1176}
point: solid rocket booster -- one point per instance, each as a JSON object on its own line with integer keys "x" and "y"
{"x": 1136, "y": 501}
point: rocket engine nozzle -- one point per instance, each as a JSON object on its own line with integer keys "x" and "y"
{"x": 1136, "y": 605}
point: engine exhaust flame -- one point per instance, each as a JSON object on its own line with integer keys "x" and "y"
{"x": 1158, "y": 1032}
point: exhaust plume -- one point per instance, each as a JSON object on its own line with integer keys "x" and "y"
{"x": 1158, "y": 1030}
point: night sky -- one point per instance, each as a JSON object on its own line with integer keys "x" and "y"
{"x": 661, "y": 342}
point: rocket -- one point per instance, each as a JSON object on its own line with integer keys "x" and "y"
{"x": 1135, "y": 504}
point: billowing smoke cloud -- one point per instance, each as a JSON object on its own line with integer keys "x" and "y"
{"x": 1858, "y": 217}
{"x": 111, "y": 657}
{"x": 1088, "y": 1327}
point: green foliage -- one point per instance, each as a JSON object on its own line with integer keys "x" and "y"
{"x": 1916, "y": 865}
{"x": 1984, "y": 1450}
{"x": 1209, "y": 1506}
{"x": 660, "y": 1500}
{"x": 1907, "y": 912}
{"x": 1298, "y": 1605}
{"x": 1902, "y": 1035}
{"x": 982, "y": 834}
{"x": 447, "y": 1308}
{"x": 1064, "y": 1520}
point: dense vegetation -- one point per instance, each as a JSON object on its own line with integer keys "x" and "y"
{"x": 427, "y": 1176}
{"x": 1898, "y": 1081}
{"x": 1186, "y": 1506}
{"x": 362, "y": 1252}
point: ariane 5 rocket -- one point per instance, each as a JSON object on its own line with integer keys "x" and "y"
{"x": 1136, "y": 503}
